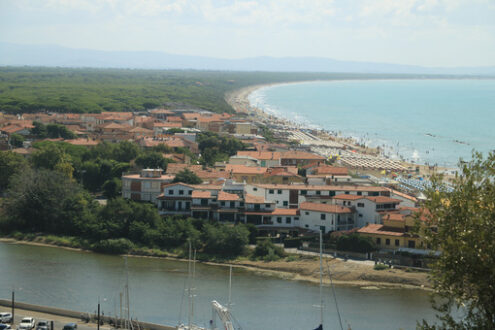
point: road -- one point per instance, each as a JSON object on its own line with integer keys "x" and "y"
{"x": 58, "y": 321}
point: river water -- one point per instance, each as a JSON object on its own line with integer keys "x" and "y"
{"x": 74, "y": 280}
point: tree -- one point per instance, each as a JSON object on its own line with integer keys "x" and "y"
{"x": 45, "y": 201}
{"x": 39, "y": 130}
{"x": 16, "y": 140}
{"x": 461, "y": 224}
{"x": 125, "y": 151}
{"x": 53, "y": 157}
{"x": 187, "y": 176}
{"x": 225, "y": 240}
{"x": 152, "y": 160}
{"x": 10, "y": 164}
{"x": 112, "y": 188}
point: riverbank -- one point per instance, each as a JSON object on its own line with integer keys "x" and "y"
{"x": 298, "y": 268}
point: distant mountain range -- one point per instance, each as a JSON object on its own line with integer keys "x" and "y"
{"x": 57, "y": 56}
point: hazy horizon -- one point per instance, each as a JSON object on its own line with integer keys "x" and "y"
{"x": 427, "y": 33}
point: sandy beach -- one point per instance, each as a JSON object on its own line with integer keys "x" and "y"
{"x": 239, "y": 100}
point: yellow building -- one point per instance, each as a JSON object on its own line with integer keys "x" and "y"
{"x": 396, "y": 231}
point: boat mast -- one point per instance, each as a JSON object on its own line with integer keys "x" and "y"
{"x": 189, "y": 287}
{"x": 230, "y": 288}
{"x": 321, "y": 278}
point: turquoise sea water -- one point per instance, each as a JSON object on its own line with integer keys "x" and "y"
{"x": 425, "y": 121}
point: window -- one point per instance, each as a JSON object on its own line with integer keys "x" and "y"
{"x": 331, "y": 193}
{"x": 286, "y": 203}
{"x": 347, "y": 193}
{"x": 255, "y": 189}
{"x": 241, "y": 204}
{"x": 222, "y": 203}
{"x": 189, "y": 192}
{"x": 232, "y": 205}
{"x": 303, "y": 192}
{"x": 170, "y": 192}
{"x": 359, "y": 193}
{"x": 279, "y": 219}
{"x": 271, "y": 191}
{"x": 181, "y": 192}
{"x": 307, "y": 213}
{"x": 318, "y": 192}
{"x": 287, "y": 220}
{"x": 360, "y": 204}
{"x": 387, "y": 241}
{"x": 279, "y": 191}
{"x": 323, "y": 216}
{"x": 296, "y": 218}
{"x": 378, "y": 240}
{"x": 267, "y": 206}
{"x": 307, "y": 226}
{"x": 397, "y": 242}
{"x": 411, "y": 244}
{"x": 360, "y": 215}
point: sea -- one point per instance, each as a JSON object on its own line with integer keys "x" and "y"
{"x": 424, "y": 121}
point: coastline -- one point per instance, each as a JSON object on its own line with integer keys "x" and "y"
{"x": 306, "y": 269}
{"x": 239, "y": 101}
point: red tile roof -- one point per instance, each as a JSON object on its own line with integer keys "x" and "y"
{"x": 292, "y": 212}
{"x": 331, "y": 170}
{"x": 327, "y": 208}
{"x": 348, "y": 197}
{"x": 243, "y": 169}
{"x": 263, "y": 155}
{"x": 224, "y": 196}
{"x": 251, "y": 199}
{"x": 200, "y": 194}
{"x": 379, "y": 229}
{"x": 383, "y": 199}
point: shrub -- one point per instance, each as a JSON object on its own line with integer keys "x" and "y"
{"x": 113, "y": 246}
{"x": 293, "y": 257}
{"x": 355, "y": 243}
{"x": 268, "y": 251}
{"x": 380, "y": 267}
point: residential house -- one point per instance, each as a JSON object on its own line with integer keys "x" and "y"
{"x": 145, "y": 186}
{"x": 326, "y": 217}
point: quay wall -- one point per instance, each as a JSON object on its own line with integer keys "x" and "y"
{"x": 77, "y": 315}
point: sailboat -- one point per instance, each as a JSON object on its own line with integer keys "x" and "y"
{"x": 223, "y": 312}
{"x": 191, "y": 275}
{"x": 320, "y": 327}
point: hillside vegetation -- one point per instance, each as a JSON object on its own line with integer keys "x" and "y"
{"x": 29, "y": 89}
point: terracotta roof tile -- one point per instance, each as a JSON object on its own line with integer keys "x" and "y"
{"x": 379, "y": 229}
{"x": 200, "y": 194}
{"x": 251, "y": 199}
{"x": 224, "y": 196}
{"x": 328, "y": 208}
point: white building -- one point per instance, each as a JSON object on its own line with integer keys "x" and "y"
{"x": 326, "y": 217}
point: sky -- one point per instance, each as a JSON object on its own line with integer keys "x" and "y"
{"x": 418, "y": 32}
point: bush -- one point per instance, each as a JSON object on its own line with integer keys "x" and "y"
{"x": 113, "y": 246}
{"x": 268, "y": 251}
{"x": 355, "y": 243}
{"x": 380, "y": 267}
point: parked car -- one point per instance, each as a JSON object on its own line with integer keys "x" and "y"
{"x": 27, "y": 323}
{"x": 5, "y": 326}
{"x": 5, "y": 317}
{"x": 70, "y": 326}
{"x": 43, "y": 325}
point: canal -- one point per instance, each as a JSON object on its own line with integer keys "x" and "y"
{"x": 75, "y": 280}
